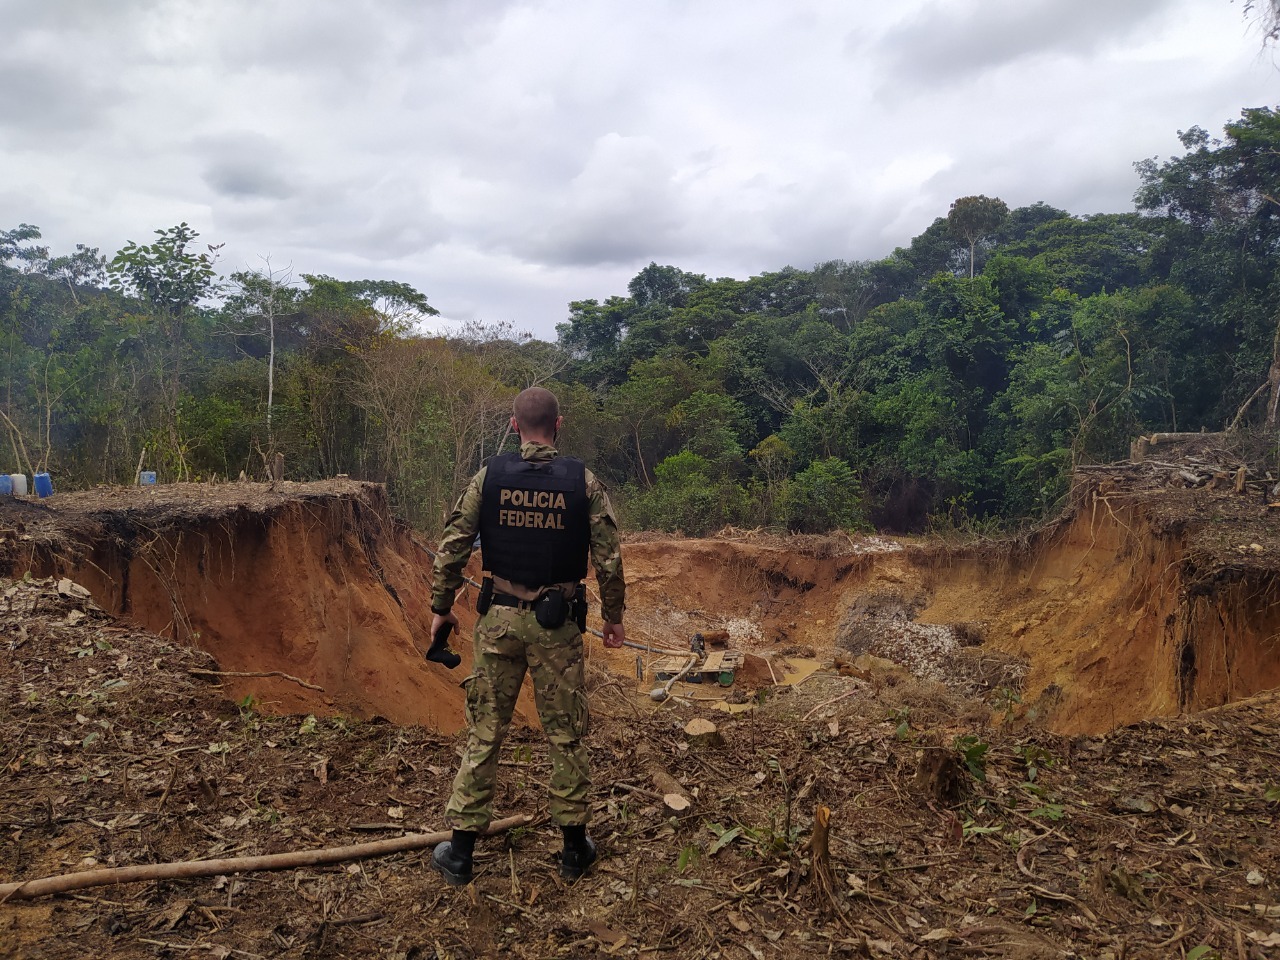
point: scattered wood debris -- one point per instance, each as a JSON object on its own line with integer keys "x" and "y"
{"x": 1155, "y": 839}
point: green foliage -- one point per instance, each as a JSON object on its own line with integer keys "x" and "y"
{"x": 711, "y": 425}
{"x": 16, "y": 246}
{"x": 723, "y": 837}
{"x": 950, "y": 385}
{"x": 166, "y": 274}
{"x": 686, "y": 497}
{"x": 901, "y": 717}
{"x": 1006, "y": 700}
{"x": 1050, "y": 811}
{"x": 1034, "y": 759}
{"x": 824, "y": 496}
{"x": 973, "y": 751}
{"x": 972, "y": 218}
{"x": 971, "y": 828}
{"x": 689, "y": 855}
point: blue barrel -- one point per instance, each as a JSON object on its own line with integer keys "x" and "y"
{"x": 44, "y": 485}
{"x": 147, "y": 478}
{"x": 6, "y": 485}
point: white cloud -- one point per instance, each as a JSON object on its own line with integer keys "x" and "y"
{"x": 508, "y": 157}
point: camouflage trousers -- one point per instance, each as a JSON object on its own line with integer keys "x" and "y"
{"x": 508, "y": 642}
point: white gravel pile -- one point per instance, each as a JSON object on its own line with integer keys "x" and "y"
{"x": 742, "y": 629}
{"x": 876, "y": 545}
{"x": 928, "y": 650}
{"x": 883, "y": 625}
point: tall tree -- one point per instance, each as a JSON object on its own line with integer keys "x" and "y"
{"x": 171, "y": 280}
{"x": 1220, "y": 204}
{"x": 669, "y": 286}
{"x": 261, "y": 298}
{"x": 972, "y": 218}
{"x": 16, "y": 246}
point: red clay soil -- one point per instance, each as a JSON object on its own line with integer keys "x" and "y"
{"x": 1146, "y": 604}
{"x": 1147, "y": 600}
{"x": 972, "y": 815}
{"x": 317, "y": 581}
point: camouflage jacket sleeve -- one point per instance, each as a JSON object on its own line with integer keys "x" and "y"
{"x": 606, "y": 552}
{"x": 455, "y": 545}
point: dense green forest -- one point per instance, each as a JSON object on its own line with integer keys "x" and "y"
{"x": 953, "y": 382}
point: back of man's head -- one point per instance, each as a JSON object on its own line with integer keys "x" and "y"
{"x": 536, "y": 411}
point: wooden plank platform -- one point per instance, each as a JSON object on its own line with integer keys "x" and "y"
{"x": 717, "y": 661}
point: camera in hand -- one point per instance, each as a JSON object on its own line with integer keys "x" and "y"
{"x": 440, "y": 652}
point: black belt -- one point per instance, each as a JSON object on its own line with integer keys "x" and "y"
{"x": 507, "y": 600}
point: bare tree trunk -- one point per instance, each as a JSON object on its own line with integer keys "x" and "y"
{"x": 1235, "y": 421}
{"x": 644, "y": 471}
{"x": 1273, "y": 379}
{"x": 271, "y": 376}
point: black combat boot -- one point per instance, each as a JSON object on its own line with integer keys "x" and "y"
{"x": 452, "y": 859}
{"x": 579, "y": 852}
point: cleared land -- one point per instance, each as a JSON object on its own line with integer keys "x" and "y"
{"x": 1080, "y": 759}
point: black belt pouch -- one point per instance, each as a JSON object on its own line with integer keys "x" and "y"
{"x": 551, "y": 610}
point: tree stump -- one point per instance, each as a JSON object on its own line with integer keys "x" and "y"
{"x": 940, "y": 776}
{"x": 820, "y": 851}
{"x": 674, "y": 796}
{"x": 703, "y": 734}
{"x": 676, "y": 802}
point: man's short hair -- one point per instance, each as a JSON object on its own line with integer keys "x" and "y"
{"x": 536, "y": 410}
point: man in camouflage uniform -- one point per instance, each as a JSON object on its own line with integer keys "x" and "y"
{"x": 538, "y": 516}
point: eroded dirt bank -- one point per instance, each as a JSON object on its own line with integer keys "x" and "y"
{"x": 1122, "y": 616}
{"x": 1124, "y": 611}
{"x": 1134, "y": 606}
{"x": 317, "y": 581}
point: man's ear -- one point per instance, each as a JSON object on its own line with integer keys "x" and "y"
{"x": 559, "y": 423}
{"x": 515, "y": 426}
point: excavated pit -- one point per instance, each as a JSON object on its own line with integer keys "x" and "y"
{"x": 1125, "y": 610}
{"x": 316, "y": 581}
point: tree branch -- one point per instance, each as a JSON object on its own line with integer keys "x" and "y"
{"x": 263, "y": 673}
{"x": 30, "y": 889}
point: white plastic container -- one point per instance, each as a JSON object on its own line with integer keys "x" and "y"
{"x": 19, "y": 484}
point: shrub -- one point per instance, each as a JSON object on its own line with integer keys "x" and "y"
{"x": 824, "y": 496}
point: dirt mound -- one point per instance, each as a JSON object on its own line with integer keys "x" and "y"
{"x": 316, "y": 581}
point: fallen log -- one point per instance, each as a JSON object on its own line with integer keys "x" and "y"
{"x": 30, "y": 889}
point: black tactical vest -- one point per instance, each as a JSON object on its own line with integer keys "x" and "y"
{"x": 535, "y": 525}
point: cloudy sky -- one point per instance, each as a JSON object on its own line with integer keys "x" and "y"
{"x": 508, "y": 157}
